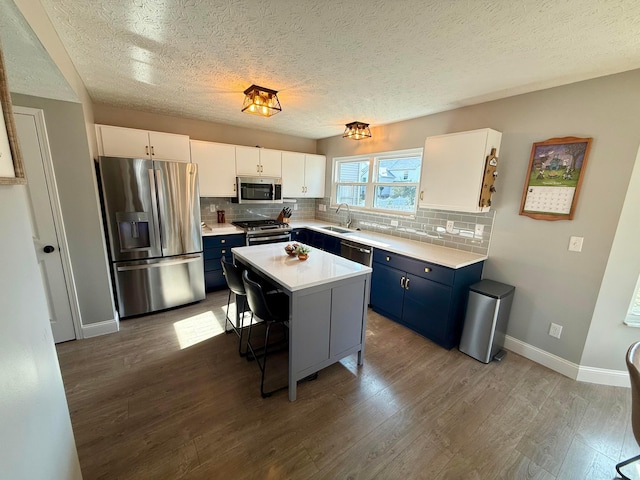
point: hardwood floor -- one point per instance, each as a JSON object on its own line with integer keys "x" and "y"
{"x": 142, "y": 407}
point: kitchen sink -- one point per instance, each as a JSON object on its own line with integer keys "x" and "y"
{"x": 331, "y": 228}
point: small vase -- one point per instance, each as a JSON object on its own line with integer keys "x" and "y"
{"x": 302, "y": 256}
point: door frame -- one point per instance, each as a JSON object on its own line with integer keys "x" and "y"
{"x": 54, "y": 200}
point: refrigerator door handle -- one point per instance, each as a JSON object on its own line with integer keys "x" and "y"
{"x": 154, "y": 209}
{"x": 160, "y": 190}
{"x": 162, "y": 263}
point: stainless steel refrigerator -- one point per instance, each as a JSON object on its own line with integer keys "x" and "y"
{"x": 152, "y": 215}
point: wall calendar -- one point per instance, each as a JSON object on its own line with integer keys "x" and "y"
{"x": 554, "y": 177}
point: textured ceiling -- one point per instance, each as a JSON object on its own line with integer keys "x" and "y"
{"x": 334, "y": 61}
{"x": 30, "y": 70}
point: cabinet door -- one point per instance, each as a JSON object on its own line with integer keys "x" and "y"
{"x": 216, "y": 168}
{"x": 453, "y": 169}
{"x": 248, "y": 161}
{"x": 169, "y": 146}
{"x": 314, "y": 175}
{"x": 387, "y": 293}
{"x": 426, "y": 307}
{"x": 123, "y": 142}
{"x": 293, "y": 174}
{"x": 270, "y": 163}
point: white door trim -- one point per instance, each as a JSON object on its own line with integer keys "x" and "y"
{"x": 54, "y": 199}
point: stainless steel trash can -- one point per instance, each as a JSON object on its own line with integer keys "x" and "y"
{"x": 485, "y": 323}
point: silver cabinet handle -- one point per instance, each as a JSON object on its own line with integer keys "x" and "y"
{"x": 406, "y": 284}
{"x": 388, "y": 259}
{"x": 223, "y": 241}
{"x": 427, "y": 269}
{"x": 402, "y": 282}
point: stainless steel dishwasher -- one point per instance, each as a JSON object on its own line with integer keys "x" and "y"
{"x": 356, "y": 252}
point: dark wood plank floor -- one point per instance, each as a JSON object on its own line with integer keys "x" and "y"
{"x": 151, "y": 402}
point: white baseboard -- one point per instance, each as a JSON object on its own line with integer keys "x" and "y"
{"x": 615, "y": 378}
{"x": 100, "y": 328}
{"x": 549, "y": 360}
{"x": 569, "y": 369}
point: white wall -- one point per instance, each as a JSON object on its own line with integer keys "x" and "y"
{"x": 36, "y": 440}
{"x": 552, "y": 284}
{"x": 608, "y": 336}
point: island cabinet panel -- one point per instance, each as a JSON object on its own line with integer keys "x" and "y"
{"x": 426, "y": 297}
{"x": 312, "y": 338}
{"x": 215, "y": 246}
{"x": 345, "y": 333}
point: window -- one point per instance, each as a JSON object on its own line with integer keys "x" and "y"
{"x": 385, "y": 181}
{"x": 633, "y": 316}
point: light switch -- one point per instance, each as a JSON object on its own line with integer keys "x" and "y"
{"x": 575, "y": 244}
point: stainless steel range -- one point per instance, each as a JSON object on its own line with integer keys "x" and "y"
{"x": 260, "y": 232}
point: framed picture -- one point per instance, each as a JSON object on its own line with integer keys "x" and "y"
{"x": 11, "y": 166}
{"x": 554, "y": 177}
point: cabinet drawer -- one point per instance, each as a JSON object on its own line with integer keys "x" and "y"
{"x": 427, "y": 270}
{"x": 212, "y": 241}
{"x": 216, "y": 253}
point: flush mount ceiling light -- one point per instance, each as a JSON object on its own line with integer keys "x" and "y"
{"x": 261, "y": 101}
{"x": 357, "y": 131}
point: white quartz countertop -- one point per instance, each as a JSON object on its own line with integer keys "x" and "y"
{"x": 445, "y": 256}
{"x": 321, "y": 267}
{"x": 220, "y": 229}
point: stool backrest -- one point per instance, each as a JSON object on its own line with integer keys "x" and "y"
{"x": 255, "y": 298}
{"x": 633, "y": 365}
{"x": 233, "y": 275}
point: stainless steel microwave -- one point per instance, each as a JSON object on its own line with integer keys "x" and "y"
{"x": 259, "y": 190}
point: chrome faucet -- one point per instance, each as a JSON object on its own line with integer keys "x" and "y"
{"x": 348, "y": 224}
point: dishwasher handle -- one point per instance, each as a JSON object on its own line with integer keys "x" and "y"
{"x": 355, "y": 247}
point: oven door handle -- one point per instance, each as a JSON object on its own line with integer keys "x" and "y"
{"x": 260, "y": 239}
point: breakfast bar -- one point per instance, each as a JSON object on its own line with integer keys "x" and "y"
{"x": 328, "y": 298}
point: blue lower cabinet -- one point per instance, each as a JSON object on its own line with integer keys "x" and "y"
{"x": 324, "y": 241}
{"x": 300, "y": 235}
{"x": 216, "y": 246}
{"x": 427, "y": 298}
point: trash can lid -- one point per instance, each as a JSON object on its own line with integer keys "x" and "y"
{"x": 492, "y": 288}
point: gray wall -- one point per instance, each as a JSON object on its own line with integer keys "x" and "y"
{"x": 80, "y": 208}
{"x": 36, "y": 440}
{"x": 553, "y": 284}
{"x": 201, "y": 130}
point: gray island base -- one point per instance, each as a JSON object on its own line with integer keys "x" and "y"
{"x": 328, "y": 298}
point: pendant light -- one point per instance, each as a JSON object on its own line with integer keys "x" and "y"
{"x": 356, "y": 131}
{"x": 261, "y": 101}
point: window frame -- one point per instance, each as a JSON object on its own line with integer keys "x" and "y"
{"x": 373, "y": 160}
{"x": 633, "y": 319}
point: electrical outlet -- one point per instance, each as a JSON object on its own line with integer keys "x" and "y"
{"x": 575, "y": 244}
{"x": 295, "y": 206}
{"x": 322, "y": 207}
{"x": 449, "y": 226}
{"x": 555, "y": 330}
{"x": 479, "y": 230}
{"x": 394, "y": 223}
{"x": 212, "y": 208}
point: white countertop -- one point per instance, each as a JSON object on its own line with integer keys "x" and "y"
{"x": 445, "y": 256}
{"x": 293, "y": 274}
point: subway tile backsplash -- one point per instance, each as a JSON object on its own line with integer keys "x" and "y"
{"x": 234, "y": 211}
{"x": 427, "y": 226}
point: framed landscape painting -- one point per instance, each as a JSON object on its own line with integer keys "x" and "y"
{"x": 554, "y": 177}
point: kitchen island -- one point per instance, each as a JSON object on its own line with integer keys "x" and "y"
{"x": 328, "y": 298}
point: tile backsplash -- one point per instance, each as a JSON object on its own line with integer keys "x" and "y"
{"x": 303, "y": 209}
{"x": 427, "y": 226}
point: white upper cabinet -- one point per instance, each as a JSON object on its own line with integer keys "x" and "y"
{"x": 292, "y": 174}
{"x": 216, "y": 168}
{"x": 134, "y": 143}
{"x": 453, "y": 168}
{"x": 303, "y": 175}
{"x": 252, "y": 161}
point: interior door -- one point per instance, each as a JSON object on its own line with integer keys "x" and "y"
{"x": 47, "y": 230}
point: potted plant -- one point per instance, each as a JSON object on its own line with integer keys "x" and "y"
{"x": 303, "y": 252}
